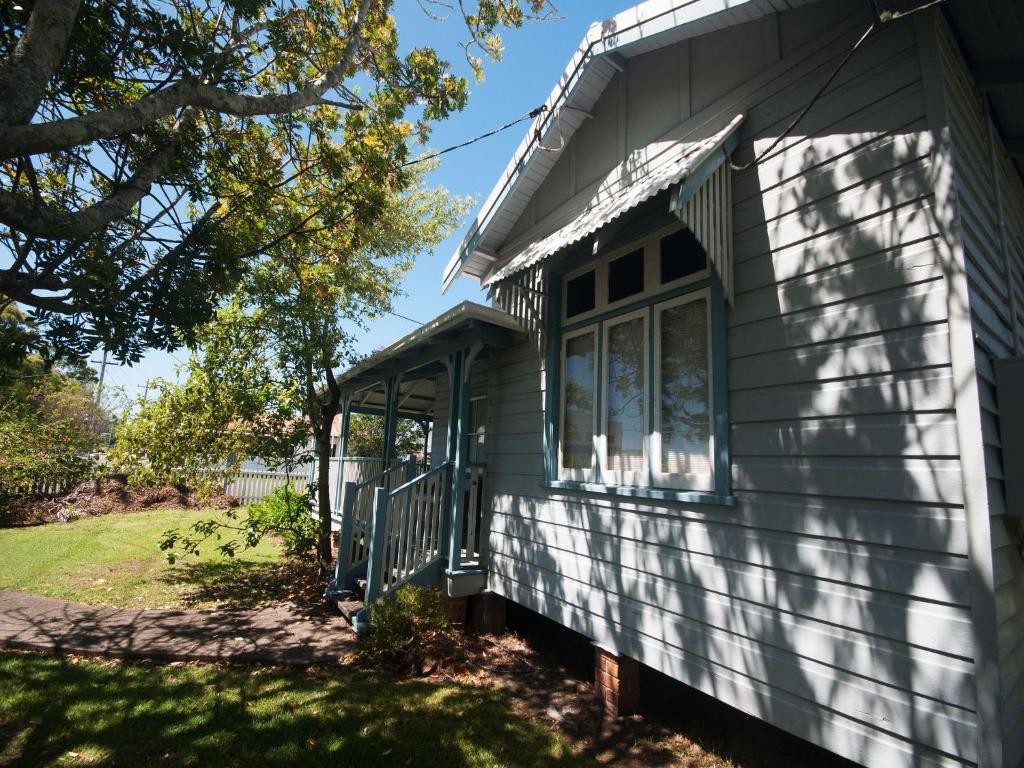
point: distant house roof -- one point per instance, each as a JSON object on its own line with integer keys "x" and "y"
{"x": 646, "y": 27}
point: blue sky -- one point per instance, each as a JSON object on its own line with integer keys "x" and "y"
{"x": 534, "y": 58}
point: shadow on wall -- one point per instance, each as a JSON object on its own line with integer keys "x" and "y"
{"x": 833, "y": 600}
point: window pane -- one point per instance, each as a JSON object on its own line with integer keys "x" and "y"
{"x": 578, "y": 414}
{"x": 580, "y": 294}
{"x": 626, "y": 275}
{"x": 681, "y": 255}
{"x": 685, "y": 415}
{"x": 626, "y": 344}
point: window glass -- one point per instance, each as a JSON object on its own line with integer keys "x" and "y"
{"x": 625, "y": 398}
{"x": 685, "y": 423}
{"x": 578, "y": 412}
{"x": 580, "y": 294}
{"x": 681, "y": 255}
{"x": 626, "y": 275}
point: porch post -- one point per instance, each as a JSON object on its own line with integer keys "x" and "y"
{"x": 390, "y": 418}
{"x": 339, "y": 483}
{"x": 460, "y": 453}
{"x": 345, "y": 531}
{"x": 454, "y": 365}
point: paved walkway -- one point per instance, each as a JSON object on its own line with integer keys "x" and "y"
{"x": 276, "y": 634}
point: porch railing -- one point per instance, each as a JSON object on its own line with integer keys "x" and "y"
{"x": 408, "y": 532}
{"x": 357, "y": 515}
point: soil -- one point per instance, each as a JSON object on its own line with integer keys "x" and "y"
{"x": 111, "y": 496}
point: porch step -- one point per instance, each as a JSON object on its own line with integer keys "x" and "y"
{"x": 349, "y": 607}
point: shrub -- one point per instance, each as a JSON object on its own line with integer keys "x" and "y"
{"x": 288, "y": 514}
{"x": 406, "y": 624}
{"x": 36, "y": 453}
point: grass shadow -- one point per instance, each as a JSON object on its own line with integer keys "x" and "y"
{"x": 53, "y": 711}
{"x": 240, "y": 584}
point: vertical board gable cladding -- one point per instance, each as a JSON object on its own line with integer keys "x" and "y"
{"x": 833, "y": 600}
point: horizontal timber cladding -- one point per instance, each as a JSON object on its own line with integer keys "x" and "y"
{"x": 833, "y": 600}
{"x": 991, "y": 207}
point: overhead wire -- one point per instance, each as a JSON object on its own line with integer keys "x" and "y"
{"x": 881, "y": 19}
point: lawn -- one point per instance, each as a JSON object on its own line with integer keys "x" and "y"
{"x": 56, "y": 712}
{"x": 116, "y": 560}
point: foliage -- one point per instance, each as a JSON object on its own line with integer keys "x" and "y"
{"x": 153, "y": 151}
{"x": 50, "y": 423}
{"x": 286, "y": 513}
{"x": 289, "y": 515}
{"x": 366, "y": 436}
{"x": 263, "y": 376}
{"x": 404, "y": 623}
{"x": 231, "y": 407}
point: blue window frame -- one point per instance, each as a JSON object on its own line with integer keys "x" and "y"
{"x": 636, "y": 400}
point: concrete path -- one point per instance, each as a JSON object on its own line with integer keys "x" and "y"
{"x": 276, "y": 634}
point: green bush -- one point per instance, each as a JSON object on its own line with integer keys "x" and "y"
{"x": 406, "y": 623}
{"x": 288, "y": 514}
{"x": 35, "y": 452}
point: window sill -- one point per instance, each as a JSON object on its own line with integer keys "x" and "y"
{"x": 633, "y": 492}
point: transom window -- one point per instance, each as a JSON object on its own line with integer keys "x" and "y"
{"x": 637, "y": 370}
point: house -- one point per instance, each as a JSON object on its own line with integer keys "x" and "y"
{"x": 751, "y": 424}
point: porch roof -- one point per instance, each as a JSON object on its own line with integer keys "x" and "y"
{"x": 422, "y": 353}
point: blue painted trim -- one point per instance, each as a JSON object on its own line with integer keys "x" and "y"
{"x": 651, "y": 300}
{"x": 635, "y": 492}
{"x": 553, "y": 375}
{"x": 720, "y": 388}
{"x": 390, "y": 418}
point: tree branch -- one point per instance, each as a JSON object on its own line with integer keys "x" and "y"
{"x": 35, "y": 58}
{"x": 52, "y": 223}
{"x": 58, "y": 135}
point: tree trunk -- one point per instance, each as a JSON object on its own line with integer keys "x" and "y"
{"x": 323, "y": 485}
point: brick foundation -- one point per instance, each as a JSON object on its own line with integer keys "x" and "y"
{"x": 616, "y": 682}
{"x": 487, "y": 613}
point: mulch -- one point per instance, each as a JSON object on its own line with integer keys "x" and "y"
{"x": 109, "y": 496}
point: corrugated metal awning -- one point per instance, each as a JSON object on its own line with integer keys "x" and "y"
{"x": 670, "y": 165}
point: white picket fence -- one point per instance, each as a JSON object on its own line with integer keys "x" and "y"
{"x": 249, "y": 486}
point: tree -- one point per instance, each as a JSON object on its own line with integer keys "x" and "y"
{"x": 232, "y": 406}
{"x": 50, "y": 423}
{"x": 289, "y": 327}
{"x": 312, "y": 287}
{"x": 366, "y": 436}
{"x": 146, "y": 148}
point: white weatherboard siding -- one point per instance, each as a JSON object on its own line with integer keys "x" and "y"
{"x": 834, "y": 599}
{"x": 989, "y": 192}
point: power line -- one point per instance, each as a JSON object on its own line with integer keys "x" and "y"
{"x": 881, "y": 19}
{"x": 386, "y": 311}
{"x": 528, "y": 116}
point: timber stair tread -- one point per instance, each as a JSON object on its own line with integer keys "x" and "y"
{"x": 349, "y": 607}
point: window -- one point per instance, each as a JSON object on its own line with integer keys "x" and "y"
{"x": 636, "y": 399}
{"x": 580, "y": 294}
{"x": 578, "y": 386}
{"x": 478, "y": 429}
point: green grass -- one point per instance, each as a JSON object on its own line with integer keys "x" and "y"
{"x": 55, "y": 712}
{"x": 116, "y": 560}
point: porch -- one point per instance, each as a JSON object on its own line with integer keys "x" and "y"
{"x": 409, "y": 519}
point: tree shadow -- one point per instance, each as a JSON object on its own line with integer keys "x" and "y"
{"x": 134, "y": 714}
{"x": 239, "y": 584}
